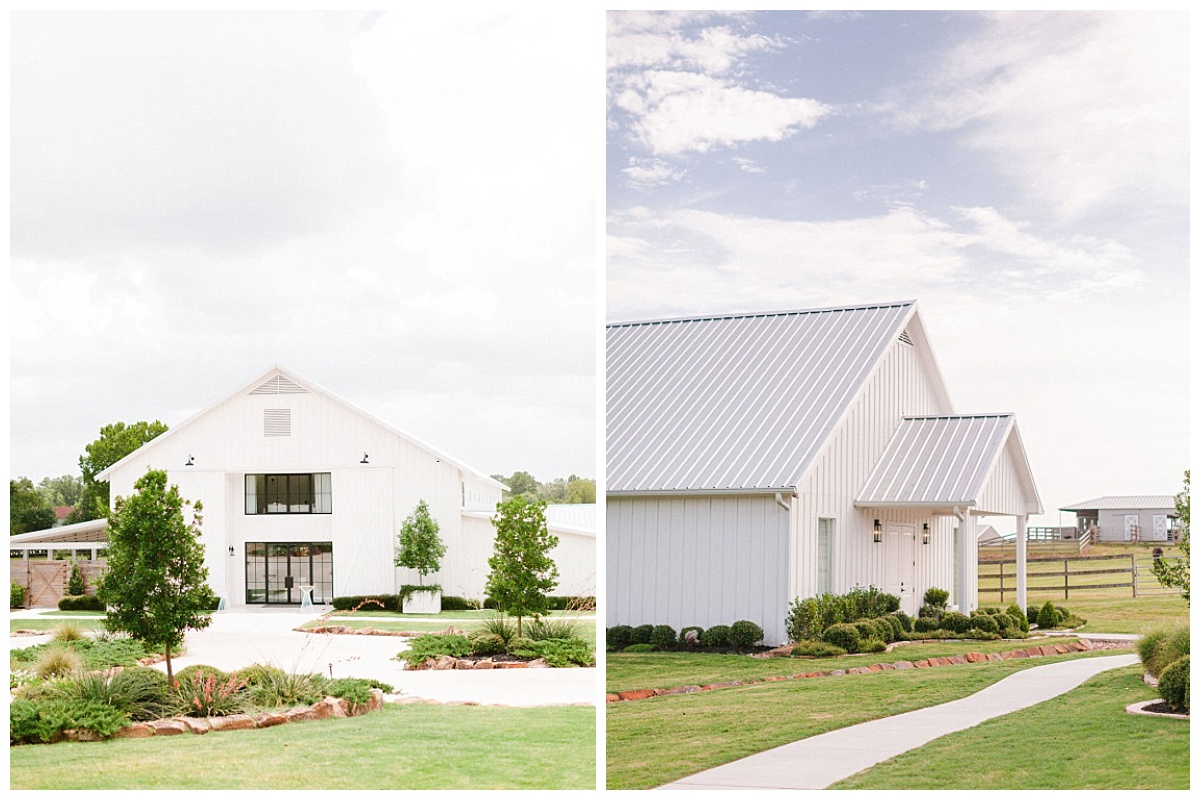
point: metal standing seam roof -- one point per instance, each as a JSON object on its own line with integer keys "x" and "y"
{"x": 735, "y": 402}
{"x": 937, "y": 461}
{"x": 1118, "y": 502}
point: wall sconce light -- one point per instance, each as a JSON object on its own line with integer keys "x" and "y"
{"x": 190, "y": 462}
{"x": 878, "y": 534}
{"x": 231, "y": 551}
{"x": 925, "y": 534}
{"x": 364, "y": 461}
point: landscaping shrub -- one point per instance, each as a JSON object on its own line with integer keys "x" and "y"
{"x": 814, "y": 649}
{"x": 663, "y": 637}
{"x": 1004, "y": 623}
{"x": 716, "y": 636}
{"x": 142, "y": 693}
{"x": 16, "y": 595}
{"x": 56, "y": 662}
{"x": 26, "y": 725}
{"x": 551, "y": 628}
{"x": 518, "y": 643}
{"x": 639, "y": 648}
{"x": 941, "y": 633}
{"x": 434, "y": 645}
{"x": 925, "y": 624}
{"x": 642, "y": 634}
{"x": 1162, "y": 646}
{"x": 936, "y": 598}
{"x": 371, "y": 602}
{"x": 982, "y": 622}
{"x": 40, "y": 722}
{"x": 1174, "y": 685}
{"x": 954, "y": 621}
{"x": 452, "y": 602}
{"x": 204, "y": 694}
{"x": 894, "y": 625}
{"x": 259, "y": 674}
{"x": 275, "y": 687}
{"x": 487, "y": 644}
{"x": 872, "y": 646}
{"x": 866, "y": 630}
{"x": 871, "y": 602}
{"x": 1031, "y": 614}
{"x": 809, "y": 617}
{"x": 1016, "y": 613}
{"x": 744, "y": 634}
{"x": 690, "y": 636}
{"x": 186, "y": 674}
{"x": 356, "y": 690}
{"x": 618, "y": 637}
{"x": 1047, "y": 617}
{"x": 86, "y": 602}
{"x": 76, "y": 585}
{"x": 67, "y": 632}
{"x": 570, "y": 603}
{"x": 842, "y": 635}
{"x": 558, "y": 652}
{"x": 929, "y": 612}
{"x": 502, "y": 626}
{"x": 906, "y": 622}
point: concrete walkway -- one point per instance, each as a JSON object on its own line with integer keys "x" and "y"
{"x": 240, "y": 638}
{"x": 819, "y": 761}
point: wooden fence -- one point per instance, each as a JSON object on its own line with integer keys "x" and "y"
{"x": 46, "y": 581}
{"x": 1065, "y": 575}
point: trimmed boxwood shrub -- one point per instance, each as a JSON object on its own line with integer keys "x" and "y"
{"x": 744, "y": 634}
{"x": 905, "y": 621}
{"x": 811, "y": 649}
{"x": 639, "y": 648}
{"x": 983, "y": 622}
{"x": 487, "y": 644}
{"x": 925, "y": 624}
{"x": 642, "y": 634}
{"x": 684, "y": 639}
{"x": 1004, "y": 623}
{"x": 184, "y": 675}
{"x": 843, "y": 635}
{"x": 1048, "y": 616}
{"x": 663, "y": 637}
{"x": 452, "y": 602}
{"x": 716, "y": 636}
{"x": 872, "y": 646}
{"x": 369, "y": 602}
{"x": 83, "y": 602}
{"x": 618, "y": 637}
{"x": 866, "y": 629}
{"x": 1016, "y": 613}
{"x": 936, "y": 598}
{"x": 16, "y": 595}
{"x": 1174, "y": 685}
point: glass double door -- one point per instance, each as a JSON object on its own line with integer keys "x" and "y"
{"x": 278, "y": 572}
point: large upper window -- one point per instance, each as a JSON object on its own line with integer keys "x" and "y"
{"x": 304, "y": 493}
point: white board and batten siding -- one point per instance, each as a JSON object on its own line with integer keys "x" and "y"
{"x": 697, "y": 560}
{"x": 574, "y": 556}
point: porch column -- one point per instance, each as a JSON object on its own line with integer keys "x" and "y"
{"x": 1021, "y": 519}
{"x": 968, "y": 564}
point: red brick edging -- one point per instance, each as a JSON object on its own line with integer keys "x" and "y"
{"x": 968, "y": 658}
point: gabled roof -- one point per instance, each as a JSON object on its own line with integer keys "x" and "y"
{"x": 1123, "y": 502}
{"x": 278, "y": 380}
{"x": 944, "y": 461}
{"x": 741, "y": 401}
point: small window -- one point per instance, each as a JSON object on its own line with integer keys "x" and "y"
{"x": 302, "y": 493}
{"x": 824, "y": 555}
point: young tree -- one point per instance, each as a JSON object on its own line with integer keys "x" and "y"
{"x": 27, "y": 510}
{"x": 116, "y": 441}
{"x": 420, "y": 546}
{"x": 156, "y": 586}
{"x": 1179, "y": 571}
{"x": 522, "y": 570}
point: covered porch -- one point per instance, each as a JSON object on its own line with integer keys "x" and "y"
{"x": 41, "y": 561}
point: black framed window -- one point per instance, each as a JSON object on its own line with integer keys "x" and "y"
{"x": 292, "y": 493}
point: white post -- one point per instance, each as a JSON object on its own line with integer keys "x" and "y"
{"x": 968, "y": 564}
{"x": 1021, "y": 519}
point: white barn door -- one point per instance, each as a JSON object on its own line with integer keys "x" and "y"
{"x": 900, "y": 565}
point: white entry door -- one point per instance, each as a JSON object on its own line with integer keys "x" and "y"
{"x": 1131, "y": 524}
{"x": 900, "y": 565}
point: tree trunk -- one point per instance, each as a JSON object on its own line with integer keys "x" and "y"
{"x": 518, "y": 626}
{"x": 170, "y": 675}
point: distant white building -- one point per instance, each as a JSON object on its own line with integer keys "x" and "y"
{"x": 757, "y": 458}
{"x": 1128, "y": 518}
{"x": 300, "y": 488}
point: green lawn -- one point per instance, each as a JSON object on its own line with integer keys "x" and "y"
{"x": 1081, "y": 740}
{"x": 426, "y": 623}
{"x": 91, "y": 624}
{"x": 651, "y": 742}
{"x": 1120, "y": 613}
{"x": 400, "y": 747}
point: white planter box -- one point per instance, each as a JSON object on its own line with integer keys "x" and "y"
{"x": 423, "y": 603}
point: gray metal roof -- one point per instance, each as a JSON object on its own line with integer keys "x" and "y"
{"x": 87, "y": 532}
{"x": 735, "y": 402}
{"x": 937, "y": 461}
{"x": 1119, "y": 502}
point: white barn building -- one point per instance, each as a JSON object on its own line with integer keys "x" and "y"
{"x": 301, "y": 488}
{"x": 1128, "y": 518}
{"x": 757, "y": 458}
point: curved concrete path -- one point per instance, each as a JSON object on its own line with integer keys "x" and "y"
{"x": 819, "y": 761}
{"x": 240, "y": 638}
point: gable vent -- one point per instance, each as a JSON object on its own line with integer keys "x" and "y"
{"x": 905, "y": 338}
{"x": 277, "y": 422}
{"x": 279, "y": 385}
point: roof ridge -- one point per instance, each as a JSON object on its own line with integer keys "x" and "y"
{"x": 752, "y": 314}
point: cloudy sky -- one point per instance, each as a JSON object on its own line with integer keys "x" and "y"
{"x": 380, "y": 202}
{"x": 1023, "y": 176}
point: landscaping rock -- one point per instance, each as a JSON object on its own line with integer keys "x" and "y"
{"x": 902, "y": 665}
{"x": 138, "y": 730}
{"x": 196, "y": 725}
{"x": 300, "y": 714}
{"x": 612, "y": 698}
{"x": 167, "y": 727}
{"x": 443, "y": 662}
{"x": 976, "y": 658}
{"x": 234, "y": 722}
{"x": 487, "y": 663}
{"x": 637, "y": 694}
{"x": 539, "y": 663}
{"x": 268, "y": 720}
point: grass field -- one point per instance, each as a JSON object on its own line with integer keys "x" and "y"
{"x": 469, "y": 621}
{"x": 1083, "y": 739}
{"x": 400, "y": 747}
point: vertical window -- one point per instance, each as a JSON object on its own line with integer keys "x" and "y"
{"x": 323, "y": 493}
{"x": 954, "y": 581}
{"x": 824, "y": 555}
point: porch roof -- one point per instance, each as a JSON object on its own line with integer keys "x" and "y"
{"x": 94, "y": 531}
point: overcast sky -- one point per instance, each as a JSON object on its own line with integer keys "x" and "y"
{"x": 1023, "y": 176}
{"x": 382, "y": 203}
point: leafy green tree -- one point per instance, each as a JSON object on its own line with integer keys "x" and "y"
{"x": 520, "y": 484}
{"x": 420, "y": 546}
{"x": 64, "y": 490}
{"x": 27, "y": 510}
{"x": 581, "y": 490}
{"x": 156, "y": 586}
{"x": 1178, "y": 572}
{"x": 116, "y": 441}
{"x": 522, "y": 570}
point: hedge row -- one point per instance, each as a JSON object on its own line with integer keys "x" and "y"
{"x": 83, "y": 602}
{"x": 808, "y": 618}
{"x": 741, "y": 635}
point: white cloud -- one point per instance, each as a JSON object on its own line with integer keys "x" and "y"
{"x": 650, "y": 172}
{"x": 747, "y": 165}
{"x": 1085, "y": 113}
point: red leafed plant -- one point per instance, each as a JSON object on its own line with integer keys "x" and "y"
{"x": 206, "y": 695}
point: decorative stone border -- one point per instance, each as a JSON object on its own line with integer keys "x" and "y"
{"x": 342, "y": 630}
{"x": 1139, "y": 708}
{"x": 173, "y": 726}
{"x": 450, "y": 662}
{"x": 968, "y": 658}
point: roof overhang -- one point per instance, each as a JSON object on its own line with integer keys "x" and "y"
{"x": 91, "y": 532}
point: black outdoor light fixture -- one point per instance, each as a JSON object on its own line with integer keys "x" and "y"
{"x": 364, "y": 461}
{"x": 878, "y": 532}
{"x": 231, "y": 551}
{"x": 190, "y": 462}
{"x": 925, "y": 533}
